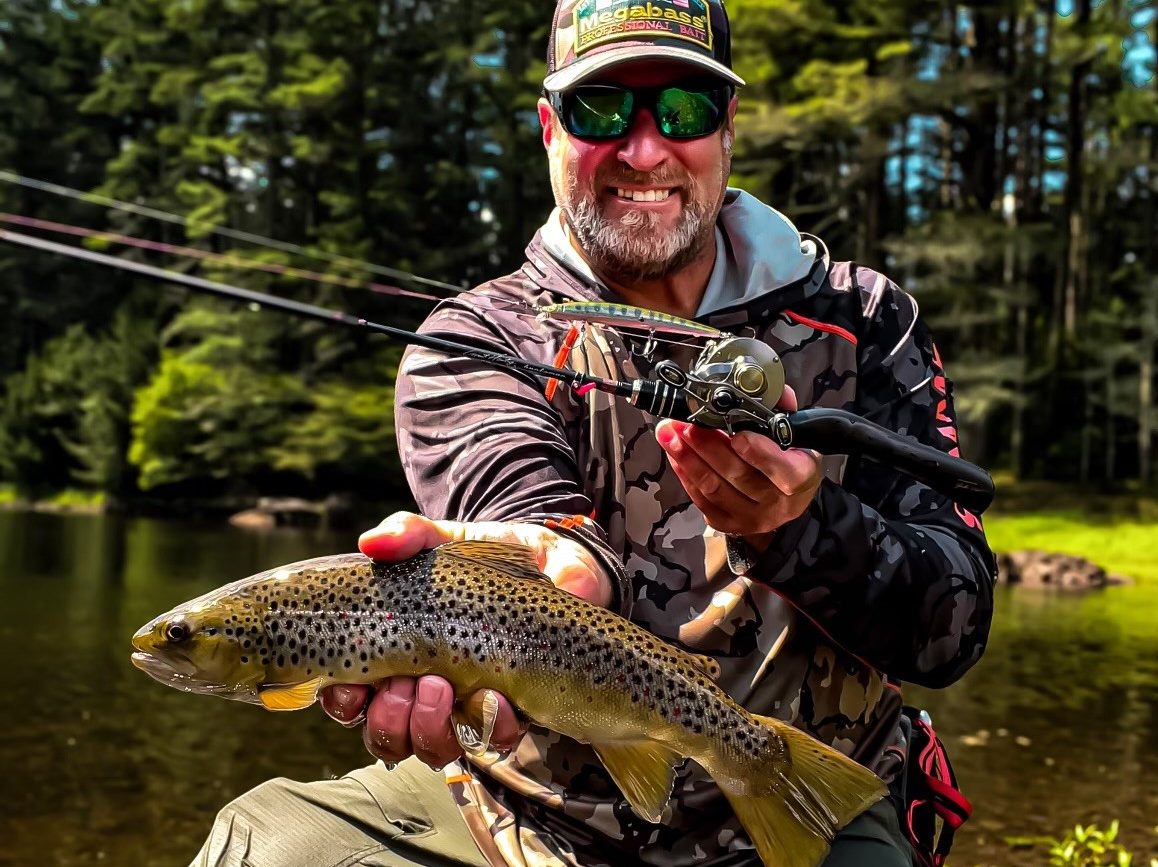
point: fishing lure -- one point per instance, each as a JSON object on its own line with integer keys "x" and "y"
{"x": 626, "y": 316}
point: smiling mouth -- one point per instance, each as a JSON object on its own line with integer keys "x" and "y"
{"x": 644, "y": 195}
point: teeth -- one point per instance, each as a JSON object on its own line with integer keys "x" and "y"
{"x": 644, "y": 195}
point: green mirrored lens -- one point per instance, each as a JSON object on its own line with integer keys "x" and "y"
{"x": 686, "y": 113}
{"x": 602, "y": 113}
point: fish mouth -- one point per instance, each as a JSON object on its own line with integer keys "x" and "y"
{"x": 180, "y": 674}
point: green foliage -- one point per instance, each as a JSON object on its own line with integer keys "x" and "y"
{"x": 64, "y": 417}
{"x": 1083, "y": 846}
{"x": 348, "y": 432}
{"x": 215, "y": 406}
{"x": 929, "y": 140}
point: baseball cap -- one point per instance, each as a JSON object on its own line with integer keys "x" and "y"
{"x": 588, "y": 36}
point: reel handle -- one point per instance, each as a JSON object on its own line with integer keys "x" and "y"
{"x": 835, "y": 431}
{"x": 838, "y": 432}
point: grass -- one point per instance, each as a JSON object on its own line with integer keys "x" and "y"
{"x": 1121, "y": 537}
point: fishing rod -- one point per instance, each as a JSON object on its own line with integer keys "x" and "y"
{"x": 730, "y": 387}
{"x": 221, "y": 231}
{"x": 614, "y": 316}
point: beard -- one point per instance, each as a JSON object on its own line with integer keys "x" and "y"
{"x": 638, "y": 246}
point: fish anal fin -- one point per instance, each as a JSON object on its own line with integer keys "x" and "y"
{"x": 510, "y": 557}
{"x": 644, "y": 771}
{"x": 293, "y": 697}
{"x": 792, "y": 821}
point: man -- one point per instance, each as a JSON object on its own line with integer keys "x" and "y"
{"x": 816, "y": 582}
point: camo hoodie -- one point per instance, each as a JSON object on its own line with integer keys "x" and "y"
{"x": 880, "y": 581}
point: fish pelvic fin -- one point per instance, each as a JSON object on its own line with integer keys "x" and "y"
{"x": 295, "y": 697}
{"x": 820, "y": 792}
{"x": 644, "y": 771}
{"x": 474, "y": 722}
{"x": 510, "y": 557}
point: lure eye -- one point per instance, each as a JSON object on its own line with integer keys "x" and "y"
{"x": 178, "y": 632}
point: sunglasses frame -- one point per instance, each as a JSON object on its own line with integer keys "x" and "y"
{"x": 646, "y": 98}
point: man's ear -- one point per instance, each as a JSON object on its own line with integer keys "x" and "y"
{"x": 732, "y": 106}
{"x": 546, "y": 116}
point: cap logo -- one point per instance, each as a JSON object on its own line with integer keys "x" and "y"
{"x": 598, "y": 22}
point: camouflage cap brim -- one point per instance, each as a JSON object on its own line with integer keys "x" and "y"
{"x": 578, "y": 71}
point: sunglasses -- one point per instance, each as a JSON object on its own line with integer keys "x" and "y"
{"x": 606, "y": 111}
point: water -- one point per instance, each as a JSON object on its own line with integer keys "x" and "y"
{"x": 100, "y": 765}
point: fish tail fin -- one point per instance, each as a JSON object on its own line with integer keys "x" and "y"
{"x": 792, "y": 823}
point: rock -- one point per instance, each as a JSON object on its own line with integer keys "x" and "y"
{"x": 336, "y": 511}
{"x": 1041, "y": 569}
{"x": 253, "y": 519}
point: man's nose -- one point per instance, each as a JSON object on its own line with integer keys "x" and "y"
{"x": 643, "y": 148}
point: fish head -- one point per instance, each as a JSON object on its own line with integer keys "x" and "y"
{"x": 198, "y": 647}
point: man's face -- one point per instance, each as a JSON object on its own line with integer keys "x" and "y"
{"x": 625, "y": 238}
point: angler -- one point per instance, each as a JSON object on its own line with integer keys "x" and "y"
{"x": 819, "y": 583}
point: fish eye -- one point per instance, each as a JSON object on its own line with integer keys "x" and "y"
{"x": 178, "y": 632}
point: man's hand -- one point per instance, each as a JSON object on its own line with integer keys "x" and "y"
{"x": 407, "y": 716}
{"x": 745, "y": 485}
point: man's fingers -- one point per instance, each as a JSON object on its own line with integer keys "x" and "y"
{"x": 788, "y": 401}
{"x": 400, "y": 536}
{"x": 715, "y": 481}
{"x": 720, "y": 518}
{"x": 387, "y": 731}
{"x": 431, "y": 733}
{"x": 565, "y": 562}
{"x": 346, "y": 703}
{"x": 792, "y": 471}
{"x": 571, "y": 567}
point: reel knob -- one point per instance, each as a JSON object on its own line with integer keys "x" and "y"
{"x": 723, "y": 400}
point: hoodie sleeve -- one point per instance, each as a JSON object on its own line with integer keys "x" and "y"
{"x": 895, "y": 573}
{"x": 481, "y": 443}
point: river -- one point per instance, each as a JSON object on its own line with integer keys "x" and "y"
{"x": 100, "y": 765}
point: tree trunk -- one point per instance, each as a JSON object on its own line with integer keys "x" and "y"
{"x": 1066, "y": 296}
{"x": 1111, "y": 448}
{"x": 1146, "y": 383}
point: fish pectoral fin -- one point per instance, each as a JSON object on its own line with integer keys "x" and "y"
{"x": 510, "y": 557}
{"x": 708, "y": 665}
{"x": 793, "y": 820}
{"x": 644, "y": 771}
{"x": 293, "y": 697}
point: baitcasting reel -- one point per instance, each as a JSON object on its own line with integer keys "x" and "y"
{"x": 734, "y": 384}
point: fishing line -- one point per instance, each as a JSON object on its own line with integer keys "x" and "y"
{"x": 224, "y": 231}
{"x": 517, "y": 308}
{"x": 221, "y": 259}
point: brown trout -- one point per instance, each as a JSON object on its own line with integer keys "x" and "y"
{"x": 481, "y": 615}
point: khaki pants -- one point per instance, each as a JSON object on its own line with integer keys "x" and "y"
{"x": 407, "y": 818}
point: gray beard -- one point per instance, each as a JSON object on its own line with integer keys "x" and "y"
{"x": 635, "y": 246}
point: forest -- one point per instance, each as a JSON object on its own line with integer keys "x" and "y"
{"x": 998, "y": 159}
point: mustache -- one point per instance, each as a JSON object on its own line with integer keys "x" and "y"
{"x": 646, "y": 179}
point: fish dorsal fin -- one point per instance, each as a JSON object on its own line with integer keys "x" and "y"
{"x": 706, "y": 664}
{"x": 510, "y": 557}
{"x": 644, "y": 771}
{"x": 293, "y": 697}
